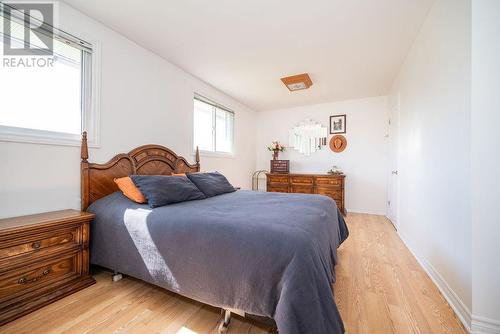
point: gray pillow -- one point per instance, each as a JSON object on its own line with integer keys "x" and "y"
{"x": 211, "y": 184}
{"x": 161, "y": 190}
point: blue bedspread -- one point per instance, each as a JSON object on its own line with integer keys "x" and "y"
{"x": 268, "y": 254}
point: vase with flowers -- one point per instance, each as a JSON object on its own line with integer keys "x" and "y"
{"x": 276, "y": 148}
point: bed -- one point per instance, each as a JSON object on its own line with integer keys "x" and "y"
{"x": 266, "y": 254}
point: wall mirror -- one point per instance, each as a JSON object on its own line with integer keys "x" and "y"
{"x": 308, "y": 137}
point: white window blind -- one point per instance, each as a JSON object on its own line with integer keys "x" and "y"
{"x": 213, "y": 129}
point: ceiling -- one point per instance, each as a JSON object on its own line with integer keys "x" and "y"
{"x": 350, "y": 48}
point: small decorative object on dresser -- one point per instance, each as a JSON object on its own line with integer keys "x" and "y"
{"x": 43, "y": 258}
{"x": 276, "y": 148}
{"x": 322, "y": 184}
{"x": 335, "y": 171}
{"x": 280, "y": 166}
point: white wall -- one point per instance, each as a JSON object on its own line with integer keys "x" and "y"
{"x": 434, "y": 150}
{"x": 365, "y": 160}
{"x": 485, "y": 168}
{"x": 145, "y": 99}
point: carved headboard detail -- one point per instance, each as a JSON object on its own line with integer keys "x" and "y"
{"x": 97, "y": 179}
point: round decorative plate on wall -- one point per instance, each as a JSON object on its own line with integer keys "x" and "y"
{"x": 338, "y": 143}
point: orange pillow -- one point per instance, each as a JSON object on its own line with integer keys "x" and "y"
{"x": 129, "y": 189}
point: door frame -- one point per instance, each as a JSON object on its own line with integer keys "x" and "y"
{"x": 394, "y": 104}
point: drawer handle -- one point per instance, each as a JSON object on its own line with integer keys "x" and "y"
{"x": 36, "y": 245}
{"x": 25, "y": 280}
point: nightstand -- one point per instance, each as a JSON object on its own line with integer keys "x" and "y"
{"x": 43, "y": 257}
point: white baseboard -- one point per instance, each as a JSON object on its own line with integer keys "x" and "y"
{"x": 482, "y": 325}
{"x": 370, "y": 212}
{"x": 461, "y": 310}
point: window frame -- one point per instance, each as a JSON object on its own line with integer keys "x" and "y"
{"x": 90, "y": 104}
{"x": 214, "y": 153}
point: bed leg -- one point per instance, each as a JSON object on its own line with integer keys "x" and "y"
{"x": 117, "y": 276}
{"x": 224, "y": 324}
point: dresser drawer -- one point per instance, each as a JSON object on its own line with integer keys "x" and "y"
{"x": 302, "y": 179}
{"x": 328, "y": 181}
{"x": 277, "y": 188}
{"x": 277, "y": 179}
{"x": 302, "y": 189}
{"x": 336, "y": 194}
{"x": 49, "y": 273}
{"x": 40, "y": 243}
{"x": 323, "y": 184}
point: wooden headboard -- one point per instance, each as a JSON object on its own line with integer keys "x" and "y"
{"x": 97, "y": 179}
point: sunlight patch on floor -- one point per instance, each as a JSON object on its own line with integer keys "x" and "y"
{"x": 185, "y": 330}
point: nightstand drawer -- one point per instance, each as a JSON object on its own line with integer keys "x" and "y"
{"x": 49, "y": 273}
{"x": 46, "y": 241}
{"x": 43, "y": 257}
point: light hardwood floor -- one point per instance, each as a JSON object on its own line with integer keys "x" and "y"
{"x": 380, "y": 288}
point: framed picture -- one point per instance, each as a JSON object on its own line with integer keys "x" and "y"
{"x": 337, "y": 124}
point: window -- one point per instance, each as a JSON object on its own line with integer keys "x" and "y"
{"x": 213, "y": 126}
{"x": 46, "y": 98}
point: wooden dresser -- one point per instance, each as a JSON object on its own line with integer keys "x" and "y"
{"x": 323, "y": 184}
{"x": 43, "y": 258}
